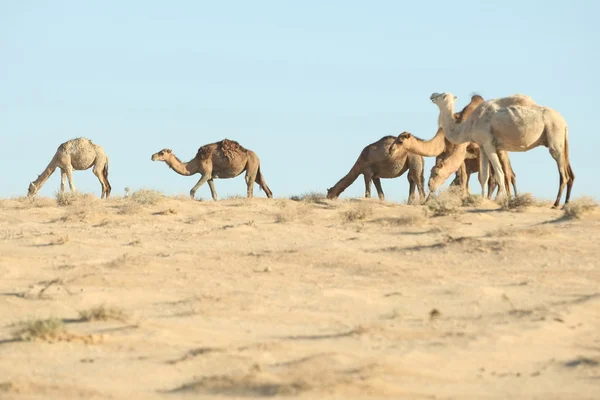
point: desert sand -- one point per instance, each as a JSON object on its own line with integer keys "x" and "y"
{"x": 312, "y": 299}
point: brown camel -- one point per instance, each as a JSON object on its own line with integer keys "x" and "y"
{"x": 442, "y": 149}
{"x": 375, "y": 163}
{"x": 224, "y": 159}
{"x": 75, "y": 155}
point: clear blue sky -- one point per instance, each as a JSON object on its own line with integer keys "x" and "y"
{"x": 305, "y": 84}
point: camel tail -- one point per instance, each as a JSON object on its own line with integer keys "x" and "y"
{"x": 260, "y": 178}
{"x": 567, "y": 161}
{"x": 105, "y": 174}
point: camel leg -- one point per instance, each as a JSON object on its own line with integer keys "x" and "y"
{"x": 558, "y": 155}
{"x": 63, "y": 180}
{"x": 380, "y": 194}
{"x": 570, "y": 183}
{"x": 492, "y": 185}
{"x": 498, "y": 174}
{"x": 484, "y": 166}
{"x": 201, "y": 182}
{"x": 98, "y": 172}
{"x": 367, "y": 175}
{"x": 213, "y": 191}
{"x": 506, "y": 168}
{"x": 69, "y": 172}
{"x": 250, "y": 178}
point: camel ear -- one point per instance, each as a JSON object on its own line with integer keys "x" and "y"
{"x": 168, "y": 150}
{"x": 455, "y": 97}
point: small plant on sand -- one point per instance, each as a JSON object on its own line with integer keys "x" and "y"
{"x": 520, "y": 202}
{"x": 447, "y": 202}
{"x": 71, "y": 198}
{"x": 310, "y": 197}
{"x": 103, "y": 313}
{"x": 472, "y": 200}
{"x": 577, "y": 208}
{"x": 358, "y": 212}
{"x": 147, "y": 196}
{"x": 44, "y": 329}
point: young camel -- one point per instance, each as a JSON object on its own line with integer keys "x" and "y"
{"x": 441, "y": 148}
{"x": 224, "y": 159}
{"x": 375, "y": 163}
{"x": 75, "y": 155}
{"x": 514, "y": 123}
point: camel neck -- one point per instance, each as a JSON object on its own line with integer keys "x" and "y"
{"x": 182, "y": 168}
{"x": 449, "y": 125}
{"x": 429, "y": 148}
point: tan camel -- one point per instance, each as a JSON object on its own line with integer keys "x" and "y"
{"x": 443, "y": 149}
{"x": 75, "y": 155}
{"x": 224, "y": 159}
{"x": 514, "y": 123}
{"x": 375, "y": 163}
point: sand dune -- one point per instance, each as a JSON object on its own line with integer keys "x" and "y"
{"x": 154, "y": 297}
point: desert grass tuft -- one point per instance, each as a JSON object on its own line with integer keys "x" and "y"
{"x": 577, "y": 208}
{"x": 309, "y": 197}
{"x": 447, "y": 202}
{"x": 358, "y": 212}
{"x": 520, "y": 203}
{"x": 147, "y": 196}
{"x": 76, "y": 198}
{"x": 103, "y": 313}
{"x": 43, "y": 329}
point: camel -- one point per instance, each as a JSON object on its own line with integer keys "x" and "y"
{"x": 514, "y": 123}
{"x": 77, "y": 154}
{"x": 224, "y": 159}
{"x": 442, "y": 149}
{"x": 375, "y": 163}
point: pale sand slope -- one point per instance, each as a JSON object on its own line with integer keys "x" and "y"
{"x": 290, "y": 299}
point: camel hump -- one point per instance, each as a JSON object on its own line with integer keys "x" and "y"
{"x": 231, "y": 147}
{"x": 204, "y": 152}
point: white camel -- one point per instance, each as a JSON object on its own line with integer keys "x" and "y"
{"x": 514, "y": 123}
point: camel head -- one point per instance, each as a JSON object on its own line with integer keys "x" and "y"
{"x": 399, "y": 141}
{"x": 161, "y": 155}
{"x": 445, "y": 100}
{"x": 438, "y": 176}
{"x": 331, "y": 194}
{"x": 32, "y": 190}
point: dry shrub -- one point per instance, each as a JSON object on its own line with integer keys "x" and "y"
{"x": 44, "y": 329}
{"x": 310, "y": 197}
{"x": 147, "y": 196}
{"x": 129, "y": 207}
{"x": 520, "y": 202}
{"x": 447, "y": 202}
{"x": 70, "y": 198}
{"x": 358, "y": 212}
{"x": 472, "y": 200}
{"x": 576, "y": 209}
{"x": 291, "y": 213}
{"x": 103, "y": 313}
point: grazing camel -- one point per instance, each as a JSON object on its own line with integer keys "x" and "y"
{"x": 514, "y": 123}
{"x": 75, "y": 155}
{"x": 441, "y": 148}
{"x": 224, "y": 159}
{"x": 375, "y": 163}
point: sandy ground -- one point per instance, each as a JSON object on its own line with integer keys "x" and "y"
{"x": 348, "y": 299}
